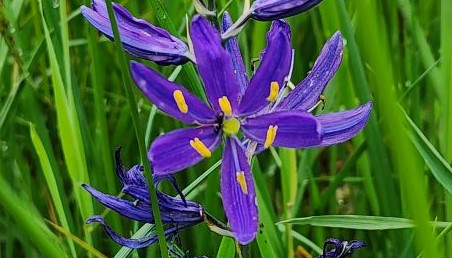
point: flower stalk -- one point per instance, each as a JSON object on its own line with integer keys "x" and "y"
{"x": 138, "y": 131}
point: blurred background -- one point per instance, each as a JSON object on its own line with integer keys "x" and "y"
{"x": 63, "y": 112}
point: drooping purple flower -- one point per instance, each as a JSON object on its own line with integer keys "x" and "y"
{"x": 139, "y": 37}
{"x": 335, "y": 248}
{"x": 176, "y": 213}
{"x": 267, "y": 10}
{"x": 252, "y": 108}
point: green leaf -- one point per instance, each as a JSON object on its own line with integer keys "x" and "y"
{"x": 227, "y": 248}
{"x": 439, "y": 167}
{"x": 30, "y": 222}
{"x": 361, "y": 222}
{"x": 51, "y": 182}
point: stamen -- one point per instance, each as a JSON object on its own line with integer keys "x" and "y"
{"x": 180, "y": 101}
{"x": 231, "y": 126}
{"x": 199, "y": 146}
{"x": 274, "y": 89}
{"x": 271, "y": 134}
{"x": 320, "y": 102}
{"x": 322, "y": 99}
{"x": 225, "y": 105}
{"x": 242, "y": 182}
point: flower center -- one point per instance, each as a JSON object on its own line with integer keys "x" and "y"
{"x": 231, "y": 126}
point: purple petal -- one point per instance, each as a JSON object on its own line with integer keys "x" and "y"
{"x": 137, "y": 243}
{"x": 295, "y": 129}
{"x": 335, "y": 248}
{"x": 341, "y": 126}
{"x": 140, "y": 38}
{"x": 128, "y": 242}
{"x": 175, "y": 210}
{"x": 161, "y": 92}
{"x": 275, "y": 65}
{"x": 136, "y": 211}
{"x": 238, "y": 193}
{"x": 172, "y": 209}
{"x": 214, "y": 63}
{"x": 267, "y": 10}
{"x": 232, "y": 46}
{"x": 307, "y": 93}
{"x": 172, "y": 151}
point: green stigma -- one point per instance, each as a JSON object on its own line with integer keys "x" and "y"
{"x": 231, "y": 126}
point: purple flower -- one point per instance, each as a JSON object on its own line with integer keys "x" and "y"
{"x": 267, "y": 10}
{"x": 176, "y": 213}
{"x": 334, "y": 248}
{"x": 139, "y": 37}
{"x": 252, "y": 108}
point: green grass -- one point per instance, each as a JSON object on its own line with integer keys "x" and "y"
{"x": 64, "y": 109}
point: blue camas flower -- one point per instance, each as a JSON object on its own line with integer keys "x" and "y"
{"x": 176, "y": 213}
{"x": 334, "y": 248}
{"x": 139, "y": 37}
{"x": 236, "y": 105}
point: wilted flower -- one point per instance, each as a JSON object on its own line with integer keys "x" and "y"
{"x": 176, "y": 213}
{"x": 335, "y": 248}
{"x": 252, "y": 109}
{"x": 139, "y": 37}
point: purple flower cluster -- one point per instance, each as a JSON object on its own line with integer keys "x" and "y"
{"x": 335, "y": 248}
{"x": 176, "y": 213}
{"x": 240, "y": 112}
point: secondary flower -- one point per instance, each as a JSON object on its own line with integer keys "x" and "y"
{"x": 139, "y": 37}
{"x": 334, "y": 248}
{"x": 268, "y": 10}
{"x": 176, "y": 213}
{"x": 250, "y": 108}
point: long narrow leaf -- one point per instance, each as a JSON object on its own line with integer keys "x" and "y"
{"x": 51, "y": 182}
{"x": 439, "y": 167}
{"x": 360, "y": 222}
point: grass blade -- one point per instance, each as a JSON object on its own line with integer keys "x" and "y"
{"x": 360, "y": 222}
{"x": 138, "y": 131}
{"x": 227, "y": 248}
{"x": 51, "y": 182}
{"x": 30, "y": 222}
{"x": 69, "y": 130}
{"x": 439, "y": 167}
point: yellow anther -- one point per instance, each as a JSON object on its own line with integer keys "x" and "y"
{"x": 274, "y": 89}
{"x": 231, "y": 126}
{"x": 180, "y": 101}
{"x": 225, "y": 105}
{"x": 271, "y": 134}
{"x": 242, "y": 181}
{"x": 322, "y": 99}
{"x": 199, "y": 146}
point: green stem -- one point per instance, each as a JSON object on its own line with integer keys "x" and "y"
{"x": 138, "y": 131}
{"x": 446, "y": 66}
{"x": 289, "y": 191}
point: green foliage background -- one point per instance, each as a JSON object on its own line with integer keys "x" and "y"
{"x": 63, "y": 111}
